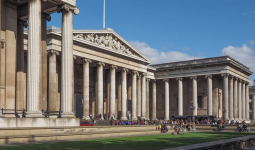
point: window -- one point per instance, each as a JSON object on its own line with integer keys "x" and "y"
{"x": 250, "y": 115}
{"x": 250, "y": 105}
{"x": 199, "y": 102}
{"x": 176, "y": 102}
{"x": 250, "y": 97}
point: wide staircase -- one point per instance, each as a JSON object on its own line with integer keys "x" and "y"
{"x": 31, "y": 135}
{"x": 102, "y": 123}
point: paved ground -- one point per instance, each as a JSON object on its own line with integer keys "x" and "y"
{"x": 249, "y": 148}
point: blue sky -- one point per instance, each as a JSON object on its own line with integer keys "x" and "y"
{"x": 172, "y": 30}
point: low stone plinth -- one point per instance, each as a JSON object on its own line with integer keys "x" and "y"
{"x": 38, "y": 122}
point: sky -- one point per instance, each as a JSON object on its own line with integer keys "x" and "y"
{"x": 175, "y": 30}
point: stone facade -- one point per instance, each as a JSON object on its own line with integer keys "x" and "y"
{"x": 93, "y": 72}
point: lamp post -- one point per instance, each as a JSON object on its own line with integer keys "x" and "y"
{"x": 192, "y": 108}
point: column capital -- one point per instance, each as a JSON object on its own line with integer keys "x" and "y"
{"x": 138, "y": 76}
{"x": 67, "y": 8}
{"x": 22, "y": 23}
{"x": 46, "y": 16}
{"x": 51, "y": 52}
{"x": 85, "y": 60}
{"x": 134, "y": 72}
{"x": 100, "y": 64}
{"x": 208, "y": 76}
{"x": 113, "y": 67}
{"x": 74, "y": 57}
{"x": 194, "y": 77}
{"x": 153, "y": 80}
{"x": 148, "y": 79}
{"x": 165, "y": 80}
{"x": 124, "y": 70}
{"x": 144, "y": 74}
{"x": 225, "y": 75}
{"x": 180, "y": 79}
{"x": 231, "y": 76}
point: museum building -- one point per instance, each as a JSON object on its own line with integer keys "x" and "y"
{"x": 77, "y": 73}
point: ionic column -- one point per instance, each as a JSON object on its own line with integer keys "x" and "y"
{"x": 231, "y": 91}
{"x": 225, "y": 96}
{"x": 209, "y": 95}
{"x": 100, "y": 89}
{"x": 34, "y": 58}
{"x": 243, "y": 100}
{"x": 147, "y": 98}
{"x": 20, "y": 85}
{"x": 154, "y": 100}
{"x": 247, "y": 101}
{"x": 166, "y": 99}
{"x": 180, "y": 97}
{"x": 139, "y": 95}
{"x": 43, "y": 74}
{"x": 67, "y": 59}
{"x": 143, "y": 95}
{"x": 134, "y": 95}
{"x": 194, "y": 94}
{"x": 53, "y": 104}
{"x": 85, "y": 112}
{"x": 235, "y": 100}
{"x": 112, "y": 89}
{"x": 124, "y": 94}
{"x": 253, "y": 108}
{"x": 240, "y": 99}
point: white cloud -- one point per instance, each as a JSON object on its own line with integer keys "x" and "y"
{"x": 160, "y": 57}
{"x": 252, "y": 42}
{"x": 244, "y": 55}
{"x": 186, "y": 48}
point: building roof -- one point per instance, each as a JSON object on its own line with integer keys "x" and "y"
{"x": 218, "y": 61}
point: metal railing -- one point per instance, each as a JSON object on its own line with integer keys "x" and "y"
{"x": 48, "y": 113}
{"x": 15, "y": 112}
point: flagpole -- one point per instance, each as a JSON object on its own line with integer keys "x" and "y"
{"x": 104, "y": 16}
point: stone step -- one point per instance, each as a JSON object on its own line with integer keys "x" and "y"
{"x": 74, "y": 136}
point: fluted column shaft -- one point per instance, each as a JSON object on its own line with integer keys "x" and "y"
{"x": 231, "y": 91}
{"x": 112, "y": 89}
{"x": 247, "y": 109}
{"x": 166, "y": 99}
{"x": 225, "y": 97}
{"x": 147, "y": 98}
{"x": 243, "y": 100}
{"x": 34, "y": 58}
{"x": 139, "y": 95}
{"x": 67, "y": 59}
{"x": 240, "y": 100}
{"x": 85, "y": 93}
{"x": 154, "y": 100}
{"x": 235, "y": 100}
{"x": 253, "y": 107}
{"x": 53, "y": 104}
{"x": 180, "y": 97}
{"x": 143, "y": 96}
{"x": 194, "y": 94}
{"x": 209, "y": 95}
{"x": 20, "y": 85}
{"x": 134, "y": 95}
{"x": 124, "y": 94}
{"x": 100, "y": 89}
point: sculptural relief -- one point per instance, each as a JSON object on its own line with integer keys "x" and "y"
{"x": 106, "y": 40}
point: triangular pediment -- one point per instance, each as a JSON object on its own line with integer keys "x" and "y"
{"x": 109, "y": 40}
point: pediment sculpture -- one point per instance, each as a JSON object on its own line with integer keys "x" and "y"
{"x": 106, "y": 40}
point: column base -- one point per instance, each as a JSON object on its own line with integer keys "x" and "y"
{"x": 123, "y": 118}
{"x": 34, "y": 114}
{"x": 67, "y": 115}
{"x": 142, "y": 118}
{"x": 231, "y": 119}
{"x": 166, "y": 119}
{"x": 134, "y": 118}
{"x": 154, "y": 119}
